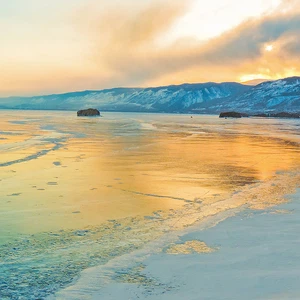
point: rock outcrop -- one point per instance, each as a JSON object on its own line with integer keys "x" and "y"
{"x": 90, "y": 112}
{"x": 230, "y": 114}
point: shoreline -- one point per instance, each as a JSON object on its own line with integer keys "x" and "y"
{"x": 247, "y": 264}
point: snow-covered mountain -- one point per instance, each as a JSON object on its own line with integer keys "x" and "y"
{"x": 272, "y": 96}
{"x": 281, "y": 95}
{"x": 175, "y": 98}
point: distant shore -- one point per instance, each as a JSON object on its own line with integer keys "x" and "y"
{"x": 231, "y": 114}
{"x": 278, "y": 115}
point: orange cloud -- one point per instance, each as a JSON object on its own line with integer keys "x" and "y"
{"x": 129, "y": 48}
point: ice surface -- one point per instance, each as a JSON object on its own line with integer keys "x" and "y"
{"x": 119, "y": 184}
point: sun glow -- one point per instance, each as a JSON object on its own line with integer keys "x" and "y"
{"x": 269, "y": 48}
{"x": 250, "y": 77}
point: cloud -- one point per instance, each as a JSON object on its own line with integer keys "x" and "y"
{"x": 122, "y": 43}
{"x": 128, "y": 46}
{"x": 246, "y": 41}
{"x": 125, "y": 37}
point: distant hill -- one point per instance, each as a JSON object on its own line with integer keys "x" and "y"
{"x": 280, "y": 95}
{"x": 174, "y": 98}
{"x": 272, "y": 96}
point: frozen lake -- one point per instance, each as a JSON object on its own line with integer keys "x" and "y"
{"x": 78, "y": 193}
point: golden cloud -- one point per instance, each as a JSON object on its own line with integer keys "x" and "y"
{"x": 122, "y": 45}
{"x": 126, "y": 46}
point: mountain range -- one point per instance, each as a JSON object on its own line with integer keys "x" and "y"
{"x": 271, "y": 96}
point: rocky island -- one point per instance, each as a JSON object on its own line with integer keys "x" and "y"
{"x": 90, "y": 112}
{"x": 230, "y": 114}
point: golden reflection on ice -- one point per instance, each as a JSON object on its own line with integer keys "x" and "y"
{"x": 110, "y": 168}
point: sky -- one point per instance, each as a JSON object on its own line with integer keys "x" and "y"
{"x": 55, "y": 46}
